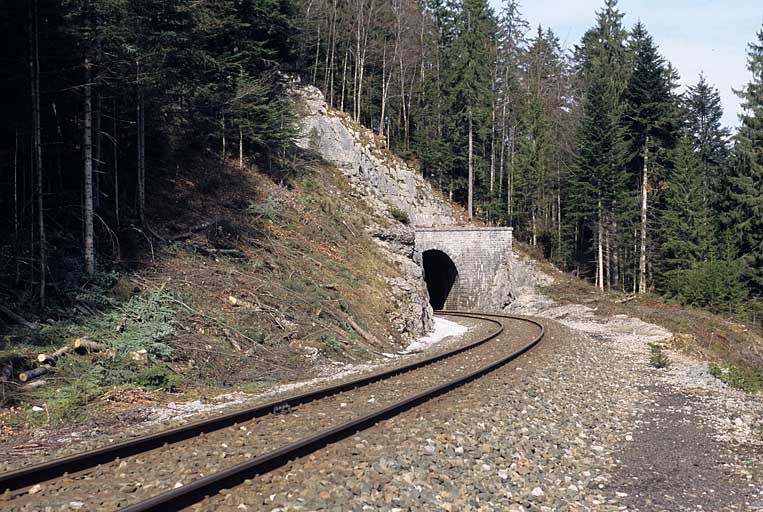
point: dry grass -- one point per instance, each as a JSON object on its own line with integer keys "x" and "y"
{"x": 297, "y": 278}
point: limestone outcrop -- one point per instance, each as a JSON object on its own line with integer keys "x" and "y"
{"x": 383, "y": 178}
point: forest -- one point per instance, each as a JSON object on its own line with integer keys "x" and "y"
{"x": 594, "y": 155}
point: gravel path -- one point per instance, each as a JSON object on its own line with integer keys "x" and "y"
{"x": 148, "y": 474}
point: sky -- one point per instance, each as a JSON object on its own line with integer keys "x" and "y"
{"x": 696, "y": 36}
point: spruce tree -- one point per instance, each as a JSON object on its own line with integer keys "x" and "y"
{"x": 597, "y": 184}
{"x": 709, "y": 138}
{"x": 470, "y": 85}
{"x": 651, "y": 122}
{"x": 747, "y": 181}
{"x": 686, "y": 222}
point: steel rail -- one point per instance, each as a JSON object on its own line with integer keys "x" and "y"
{"x": 197, "y": 490}
{"x": 28, "y": 476}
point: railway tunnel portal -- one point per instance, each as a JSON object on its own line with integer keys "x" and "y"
{"x": 465, "y": 268}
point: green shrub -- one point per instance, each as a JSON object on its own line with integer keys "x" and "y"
{"x": 159, "y": 376}
{"x": 657, "y": 357}
{"x": 150, "y": 321}
{"x": 332, "y": 343}
{"x": 399, "y": 215}
{"x": 746, "y": 379}
{"x": 716, "y": 285}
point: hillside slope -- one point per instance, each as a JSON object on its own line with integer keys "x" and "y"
{"x": 252, "y": 278}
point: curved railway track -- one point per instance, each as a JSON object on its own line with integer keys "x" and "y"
{"x": 371, "y": 399}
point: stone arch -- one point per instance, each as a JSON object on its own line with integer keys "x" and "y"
{"x": 442, "y": 278}
{"x": 481, "y": 257}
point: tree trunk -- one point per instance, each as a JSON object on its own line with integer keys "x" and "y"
{"x": 116, "y": 163}
{"x": 222, "y": 128}
{"x": 317, "y": 55}
{"x": 502, "y": 146}
{"x": 635, "y": 253}
{"x": 344, "y": 77}
{"x": 383, "y": 91}
{"x": 141, "y": 152}
{"x": 644, "y": 203}
{"x": 88, "y": 172}
{"x": 34, "y": 64}
{"x": 470, "y": 207}
{"x": 97, "y": 151}
{"x": 16, "y": 237}
{"x": 615, "y": 256}
{"x": 607, "y": 258}
{"x": 240, "y": 147}
{"x": 330, "y": 56}
{"x": 599, "y": 252}
{"x": 510, "y": 184}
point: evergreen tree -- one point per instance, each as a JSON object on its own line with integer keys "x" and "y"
{"x": 470, "y": 86}
{"x": 510, "y": 97}
{"x": 709, "y": 138}
{"x": 686, "y": 222}
{"x": 531, "y": 167}
{"x": 747, "y": 181}
{"x": 597, "y": 184}
{"x": 651, "y": 124}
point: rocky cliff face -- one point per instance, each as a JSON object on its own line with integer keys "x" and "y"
{"x": 384, "y": 179}
{"x": 386, "y": 183}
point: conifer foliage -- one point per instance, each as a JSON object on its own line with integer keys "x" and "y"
{"x": 592, "y": 155}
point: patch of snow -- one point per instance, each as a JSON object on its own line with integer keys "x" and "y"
{"x": 443, "y": 328}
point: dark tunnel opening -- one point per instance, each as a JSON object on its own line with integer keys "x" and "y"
{"x": 440, "y": 274}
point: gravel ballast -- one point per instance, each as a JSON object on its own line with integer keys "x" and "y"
{"x": 570, "y": 426}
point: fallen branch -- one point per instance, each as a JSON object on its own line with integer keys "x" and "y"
{"x": 31, "y": 386}
{"x": 626, "y": 299}
{"x": 370, "y": 338}
{"x": 17, "y": 318}
{"x": 51, "y": 358}
{"x": 195, "y": 229}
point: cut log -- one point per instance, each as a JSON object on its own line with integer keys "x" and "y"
{"x": 52, "y": 358}
{"x": 17, "y": 318}
{"x": 88, "y": 344}
{"x": 32, "y": 374}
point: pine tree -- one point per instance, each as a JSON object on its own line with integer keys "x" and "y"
{"x": 747, "y": 181}
{"x": 531, "y": 166}
{"x": 709, "y": 138}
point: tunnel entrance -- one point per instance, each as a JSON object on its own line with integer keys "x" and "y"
{"x": 440, "y": 274}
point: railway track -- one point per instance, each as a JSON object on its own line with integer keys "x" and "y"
{"x": 178, "y": 467}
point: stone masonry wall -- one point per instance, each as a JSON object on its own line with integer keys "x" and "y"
{"x": 482, "y": 256}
